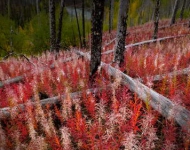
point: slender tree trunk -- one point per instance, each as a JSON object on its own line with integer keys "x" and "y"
{"x": 111, "y": 7}
{"x": 83, "y": 25}
{"x": 174, "y": 12}
{"x": 9, "y": 8}
{"x": 60, "y": 25}
{"x": 52, "y": 25}
{"x": 156, "y": 19}
{"x": 121, "y": 31}
{"x": 182, "y": 9}
{"x": 96, "y": 36}
{"x": 37, "y": 7}
{"x": 77, "y": 23}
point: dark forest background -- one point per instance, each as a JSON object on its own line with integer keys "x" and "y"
{"x": 24, "y": 24}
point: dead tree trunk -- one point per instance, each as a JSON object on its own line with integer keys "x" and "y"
{"x": 156, "y": 19}
{"x": 9, "y": 8}
{"x": 58, "y": 41}
{"x": 182, "y": 9}
{"x": 121, "y": 31}
{"x": 83, "y": 25}
{"x": 52, "y": 25}
{"x": 77, "y": 23}
{"x": 96, "y": 35}
{"x": 174, "y": 12}
{"x": 37, "y": 7}
{"x": 111, "y": 7}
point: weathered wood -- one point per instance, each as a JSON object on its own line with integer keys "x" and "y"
{"x": 6, "y": 111}
{"x": 147, "y": 42}
{"x": 160, "y": 103}
{"x": 12, "y": 80}
{"x": 184, "y": 71}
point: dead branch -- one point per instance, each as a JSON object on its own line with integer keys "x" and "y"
{"x": 147, "y": 42}
{"x": 184, "y": 71}
{"x": 10, "y": 81}
{"x": 6, "y": 111}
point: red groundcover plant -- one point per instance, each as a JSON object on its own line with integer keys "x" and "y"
{"x": 108, "y": 117}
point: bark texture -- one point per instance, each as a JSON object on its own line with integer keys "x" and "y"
{"x": 121, "y": 31}
{"x": 156, "y": 19}
{"x": 174, "y": 12}
{"x": 52, "y": 25}
{"x": 96, "y": 35}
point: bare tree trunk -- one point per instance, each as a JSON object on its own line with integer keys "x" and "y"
{"x": 182, "y": 9}
{"x": 77, "y": 23}
{"x": 37, "y": 7}
{"x": 52, "y": 25}
{"x": 9, "y": 8}
{"x": 156, "y": 19}
{"x": 60, "y": 25}
{"x": 83, "y": 25}
{"x": 96, "y": 36}
{"x": 121, "y": 31}
{"x": 111, "y": 7}
{"x": 174, "y": 12}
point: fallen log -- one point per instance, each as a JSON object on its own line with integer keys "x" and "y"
{"x": 169, "y": 26}
{"x": 21, "y": 78}
{"x": 161, "y": 27}
{"x": 184, "y": 71}
{"x": 6, "y": 111}
{"x": 160, "y": 103}
{"x": 12, "y": 80}
{"x": 147, "y": 42}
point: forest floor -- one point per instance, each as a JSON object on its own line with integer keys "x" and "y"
{"x": 46, "y": 101}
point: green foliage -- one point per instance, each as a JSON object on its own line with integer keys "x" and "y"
{"x": 5, "y": 34}
{"x": 38, "y": 31}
